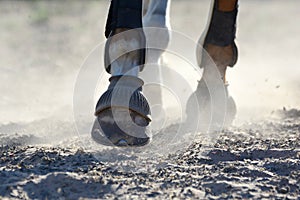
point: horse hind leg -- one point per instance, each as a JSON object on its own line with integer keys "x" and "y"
{"x": 156, "y": 18}
{"x": 157, "y": 32}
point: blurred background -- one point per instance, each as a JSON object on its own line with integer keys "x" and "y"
{"x": 44, "y": 43}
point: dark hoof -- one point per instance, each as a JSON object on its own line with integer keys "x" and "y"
{"x": 210, "y": 114}
{"x": 123, "y": 127}
{"x": 123, "y": 113}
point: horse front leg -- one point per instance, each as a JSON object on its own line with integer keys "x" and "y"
{"x": 123, "y": 112}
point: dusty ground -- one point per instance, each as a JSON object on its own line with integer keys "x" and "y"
{"x": 43, "y": 44}
{"x": 254, "y": 161}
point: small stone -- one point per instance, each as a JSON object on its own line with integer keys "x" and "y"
{"x": 283, "y": 190}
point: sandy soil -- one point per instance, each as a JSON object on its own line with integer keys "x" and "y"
{"x": 42, "y": 156}
{"x": 254, "y": 161}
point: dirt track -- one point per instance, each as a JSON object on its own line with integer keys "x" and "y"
{"x": 250, "y": 162}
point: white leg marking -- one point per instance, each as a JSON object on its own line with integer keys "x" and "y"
{"x": 157, "y": 15}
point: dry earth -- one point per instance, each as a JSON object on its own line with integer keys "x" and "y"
{"x": 254, "y": 161}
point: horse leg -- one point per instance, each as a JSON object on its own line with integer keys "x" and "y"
{"x": 157, "y": 32}
{"x": 156, "y": 15}
{"x": 218, "y": 38}
{"x": 122, "y": 111}
{"x": 212, "y": 91}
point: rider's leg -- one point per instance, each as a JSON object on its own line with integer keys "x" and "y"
{"x": 122, "y": 111}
